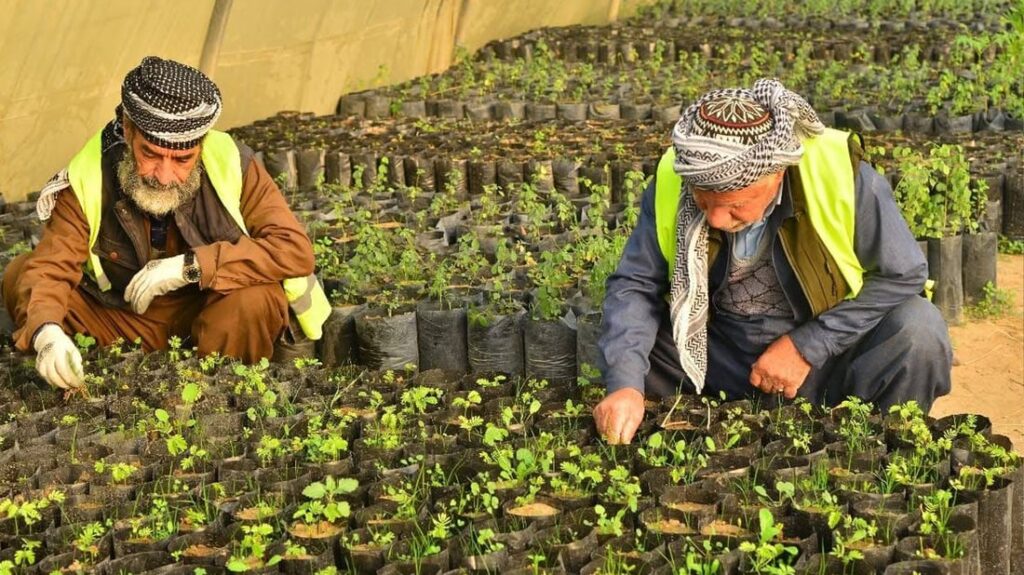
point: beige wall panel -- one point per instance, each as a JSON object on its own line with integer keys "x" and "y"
{"x": 304, "y": 54}
{"x": 62, "y": 66}
{"x": 486, "y": 20}
{"x": 63, "y": 60}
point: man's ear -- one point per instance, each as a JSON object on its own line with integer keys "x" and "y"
{"x": 127, "y": 127}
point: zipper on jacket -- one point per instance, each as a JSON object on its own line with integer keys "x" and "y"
{"x": 799, "y": 280}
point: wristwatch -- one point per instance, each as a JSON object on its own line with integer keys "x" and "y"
{"x": 192, "y": 273}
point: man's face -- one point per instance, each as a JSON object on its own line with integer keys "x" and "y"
{"x": 158, "y": 180}
{"x": 733, "y": 211}
{"x": 160, "y": 166}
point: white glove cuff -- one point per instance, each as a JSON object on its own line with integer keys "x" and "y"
{"x": 47, "y": 334}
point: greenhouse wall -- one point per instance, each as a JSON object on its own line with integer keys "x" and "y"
{"x": 62, "y": 73}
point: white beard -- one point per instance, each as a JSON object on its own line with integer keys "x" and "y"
{"x": 149, "y": 195}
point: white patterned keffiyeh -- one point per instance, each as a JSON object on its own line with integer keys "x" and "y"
{"x": 727, "y": 140}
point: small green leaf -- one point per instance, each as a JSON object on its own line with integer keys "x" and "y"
{"x": 190, "y": 393}
{"x": 315, "y": 490}
{"x": 347, "y": 485}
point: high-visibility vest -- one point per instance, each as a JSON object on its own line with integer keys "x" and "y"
{"x": 222, "y": 163}
{"x": 829, "y": 191}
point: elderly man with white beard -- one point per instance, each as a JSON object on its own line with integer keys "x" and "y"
{"x": 161, "y": 227}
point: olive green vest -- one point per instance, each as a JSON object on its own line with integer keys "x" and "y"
{"x": 222, "y": 163}
{"x": 817, "y": 240}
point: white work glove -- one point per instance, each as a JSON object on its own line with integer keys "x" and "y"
{"x": 58, "y": 360}
{"x": 155, "y": 279}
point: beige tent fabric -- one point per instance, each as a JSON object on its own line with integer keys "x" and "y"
{"x": 63, "y": 60}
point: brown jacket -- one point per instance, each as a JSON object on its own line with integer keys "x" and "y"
{"x": 277, "y": 246}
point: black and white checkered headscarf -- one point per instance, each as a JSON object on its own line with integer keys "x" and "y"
{"x": 171, "y": 104}
{"x": 727, "y": 140}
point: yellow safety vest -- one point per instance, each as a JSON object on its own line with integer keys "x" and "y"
{"x": 826, "y": 175}
{"x": 222, "y": 162}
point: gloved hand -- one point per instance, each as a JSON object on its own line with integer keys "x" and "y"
{"x": 156, "y": 279}
{"x": 58, "y": 360}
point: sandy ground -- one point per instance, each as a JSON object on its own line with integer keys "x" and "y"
{"x": 988, "y": 371}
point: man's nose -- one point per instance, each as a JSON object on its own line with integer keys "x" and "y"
{"x": 719, "y": 218}
{"x": 164, "y": 173}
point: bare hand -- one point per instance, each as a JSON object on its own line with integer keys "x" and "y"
{"x": 619, "y": 415}
{"x": 780, "y": 369}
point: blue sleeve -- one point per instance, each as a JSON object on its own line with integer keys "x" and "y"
{"x": 634, "y": 304}
{"x": 894, "y": 271}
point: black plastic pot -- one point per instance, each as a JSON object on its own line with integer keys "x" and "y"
{"x": 495, "y": 343}
{"x": 603, "y": 111}
{"x": 945, "y": 257}
{"x": 441, "y": 336}
{"x": 925, "y": 567}
{"x": 916, "y": 123}
{"x": 565, "y": 172}
{"x": 387, "y": 342}
{"x": 509, "y": 174}
{"x": 509, "y": 110}
{"x": 573, "y": 544}
{"x": 429, "y": 565}
{"x": 948, "y": 124}
{"x": 319, "y": 555}
{"x": 309, "y": 164}
{"x": 208, "y": 547}
{"x": 910, "y": 549}
{"x": 995, "y": 530}
{"x": 280, "y": 164}
{"x": 419, "y": 172}
{"x": 634, "y": 111}
{"x": 537, "y": 111}
{"x": 572, "y": 111}
{"x": 377, "y": 106}
{"x": 588, "y": 330}
{"x": 479, "y": 111}
{"x": 1013, "y": 201}
{"x": 550, "y": 349}
{"x": 482, "y": 174}
{"x": 139, "y": 562}
{"x": 413, "y": 109}
{"x": 540, "y": 173}
{"x": 980, "y": 252}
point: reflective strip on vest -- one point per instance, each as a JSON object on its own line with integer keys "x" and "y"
{"x": 222, "y": 162}
{"x": 830, "y": 194}
{"x": 85, "y": 172}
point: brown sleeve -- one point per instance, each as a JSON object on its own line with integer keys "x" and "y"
{"x": 277, "y": 247}
{"x": 53, "y": 270}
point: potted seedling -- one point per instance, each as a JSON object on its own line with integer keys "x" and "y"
{"x": 366, "y": 549}
{"x": 26, "y": 515}
{"x": 675, "y": 463}
{"x": 483, "y": 550}
{"x": 426, "y": 551}
{"x": 859, "y": 546}
{"x": 251, "y": 552}
{"x": 325, "y": 512}
{"x": 578, "y": 479}
{"x": 146, "y": 532}
{"x": 945, "y": 535}
{"x": 767, "y": 555}
{"x": 477, "y": 502}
